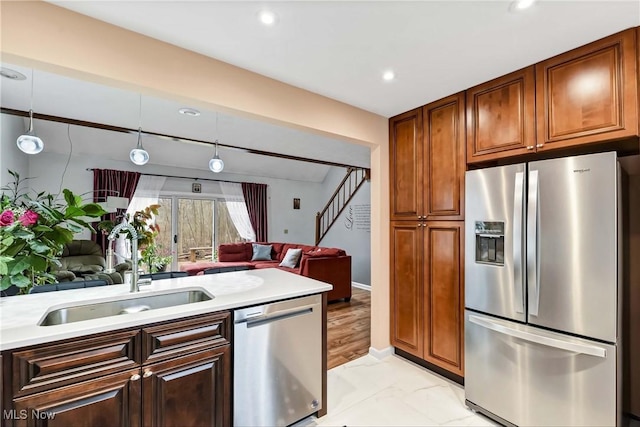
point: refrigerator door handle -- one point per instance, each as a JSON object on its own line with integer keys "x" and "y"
{"x": 518, "y": 198}
{"x": 532, "y": 242}
{"x": 590, "y": 350}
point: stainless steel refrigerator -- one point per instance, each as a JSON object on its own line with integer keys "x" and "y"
{"x": 542, "y": 289}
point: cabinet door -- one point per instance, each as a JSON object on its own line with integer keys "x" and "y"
{"x": 406, "y": 282}
{"x": 443, "y": 295}
{"x": 110, "y": 401}
{"x": 405, "y": 137}
{"x": 444, "y": 146}
{"x": 500, "y": 117}
{"x": 589, "y": 94}
{"x": 193, "y": 390}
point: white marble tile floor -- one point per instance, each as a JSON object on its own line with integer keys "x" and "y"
{"x": 392, "y": 392}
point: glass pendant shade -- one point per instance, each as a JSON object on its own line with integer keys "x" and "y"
{"x": 216, "y": 164}
{"x": 139, "y": 155}
{"x": 29, "y": 142}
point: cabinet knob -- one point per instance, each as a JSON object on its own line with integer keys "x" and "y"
{"x": 530, "y": 147}
{"x": 539, "y": 145}
{"x": 147, "y": 374}
{"x": 135, "y": 377}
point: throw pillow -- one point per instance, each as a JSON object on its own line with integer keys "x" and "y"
{"x": 261, "y": 252}
{"x": 325, "y": 252}
{"x": 291, "y": 258}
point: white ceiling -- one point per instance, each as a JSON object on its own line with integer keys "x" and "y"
{"x": 340, "y": 48}
{"x": 70, "y": 98}
{"x": 335, "y": 48}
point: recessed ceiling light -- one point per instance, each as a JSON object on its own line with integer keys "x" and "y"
{"x": 387, "y": 76}
{"x": 521, "y": 4}
{"x": 267, "y": 17}
{"x": 189, "y": 112}
{"x": 11, "y": 74}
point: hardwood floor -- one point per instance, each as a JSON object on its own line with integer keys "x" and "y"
{"x": 349, "y": 328}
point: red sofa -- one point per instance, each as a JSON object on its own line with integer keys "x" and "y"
{"x": 329, "y": 265}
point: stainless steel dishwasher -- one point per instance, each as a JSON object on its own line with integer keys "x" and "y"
{"x": 277, "y": 362}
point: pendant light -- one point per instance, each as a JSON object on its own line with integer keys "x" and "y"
{"x": 29, "y": 142}
{"x": 216, "y": 164}
{"x": 139, "y": 155}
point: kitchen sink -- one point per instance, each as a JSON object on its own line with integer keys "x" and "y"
{"x": 137, "y": 304}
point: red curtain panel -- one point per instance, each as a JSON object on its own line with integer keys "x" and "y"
{"x": 255, "y": 196}
{"x": 109, "y": 182}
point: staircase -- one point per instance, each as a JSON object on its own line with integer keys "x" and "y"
{"x": 350, "y": 184}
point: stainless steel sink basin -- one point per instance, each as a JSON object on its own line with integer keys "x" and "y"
{"x": 140, "y": 303}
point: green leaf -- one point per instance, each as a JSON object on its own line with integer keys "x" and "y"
{"x": 18, "y": 265}
{"x": 37, "y": 263}
{"x": 64, "y": 235}
{"x": 5, "y": 283}
{"x": 42, "y": 228}
{"x": 69, "y": 197}
{"x": 7, "y": 241}
{"x": 23, "y": 233}
{"x": 73, "y": 211}
{"x": 38, "y": 247}
{"x": 4, "y": 268}
{"x": 93, "y": 210}
{"x": 75, "y": 228}
{"x": 20, "y": 281}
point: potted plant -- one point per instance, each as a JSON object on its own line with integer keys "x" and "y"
{"x": 33, "y": 231}
{"x": 147, "y": 230}
{"x": 152, "y": 257}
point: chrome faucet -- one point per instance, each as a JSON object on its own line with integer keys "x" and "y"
{"x": 134, "y": 251}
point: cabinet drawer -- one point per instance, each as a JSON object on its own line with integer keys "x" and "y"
{"x": 172, "y": 339}
{"x": 48, "y": 366}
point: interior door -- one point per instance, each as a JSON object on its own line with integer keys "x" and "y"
{"x": 572, "y": 245}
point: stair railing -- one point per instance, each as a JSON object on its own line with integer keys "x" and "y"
{"x": 347, "y": 188}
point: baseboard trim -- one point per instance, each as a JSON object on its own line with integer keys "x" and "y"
{"x": 361, "y": 286}
{"x": 381, "y": 354}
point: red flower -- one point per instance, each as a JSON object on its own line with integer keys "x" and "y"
{"x": 7, "y": 218}
{"x": 28, "y": 218}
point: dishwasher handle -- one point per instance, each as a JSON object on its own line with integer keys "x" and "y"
{"x": 276, "y": 315}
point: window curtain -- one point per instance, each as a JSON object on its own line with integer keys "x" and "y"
{"x": 234, "y": 200}
{"x": 147, "y": 193}
{"x": 255, "y": 196}
{"x": 109, "y": 182}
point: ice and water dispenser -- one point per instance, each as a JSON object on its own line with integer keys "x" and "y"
{"x": 490, "y": 242}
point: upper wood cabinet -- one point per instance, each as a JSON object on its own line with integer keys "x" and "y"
{"x": 444, "y": 167}
{"x": 501, "y": 117}
{"x": 427, "y": 161}
{"x": 405, "y": 136}
{"x": 589, "y": 94}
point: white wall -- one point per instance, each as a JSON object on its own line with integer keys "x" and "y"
{"x": 354, "y": 240}
{"x": 10, "y": 156}
{"x": 47, "y": 170}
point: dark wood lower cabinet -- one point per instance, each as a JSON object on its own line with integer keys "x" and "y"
{"x": 427, "y": 301}
{"x": 106, "y": 402}
{"x": 189, "y": 391}
{"x": 100, "y": 381}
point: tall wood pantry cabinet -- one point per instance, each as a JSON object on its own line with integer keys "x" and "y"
{"x": 427, "y": 164}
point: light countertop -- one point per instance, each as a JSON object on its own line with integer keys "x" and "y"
{"x": 20, "y": 315}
